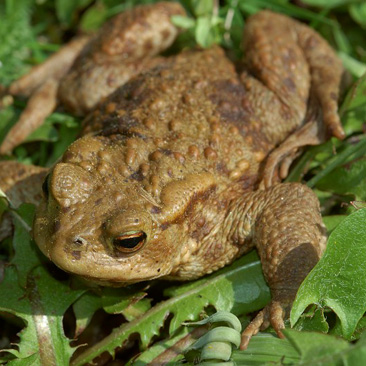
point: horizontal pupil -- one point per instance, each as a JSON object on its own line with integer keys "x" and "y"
{"x": 129, "y": 242}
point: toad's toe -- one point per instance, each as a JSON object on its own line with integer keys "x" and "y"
{"x": 273, "y": 314}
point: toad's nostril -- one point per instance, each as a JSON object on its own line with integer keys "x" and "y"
{"x": 79, "y": 241}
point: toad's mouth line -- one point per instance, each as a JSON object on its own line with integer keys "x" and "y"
{"x": 115, "y": 281}
{"x": 106, "y": 271}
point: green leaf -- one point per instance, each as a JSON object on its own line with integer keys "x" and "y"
{"x": 68, "y": 130}
{"x": 223, "y": 318}
{"x": 331, "y": 222}
{"x": 355, "y": 67}
{"x": 12, "y": 300}
{"x": 358, "y": 13}
{"x": 339, "y": 165}
{"x": 349, "y": 153}
{"x": 233, "y": 35}
{"x": 8, "y": 117}
{"x": 116, "y": 301}
{"x": 267, "y": 349}
{"x": 65, "y": 9}
{"x": 26, "y": 255}
{"x": 354, "y": 99}
{"x": 327, "y": 3}
{"x": 15, "y": 34}
{"x": 206, "y": 31}
{"x": 316, "y": 346}
{"x": 313, "y": 320}
{"x": 136, "y": 309}
{"x": 25, "y": 292}
{"x": 360, "y": 331}
{"x": 32, "y": 360}
{"x": 347, "y": 179}
{"x": 343, "y": 45}
{"x": 239, "y": 288}
{"x": 324, "y": 350}
{"x": 69, "y": 127}
{"x": 183, "y": 22}
{"x": 127, "y": 301}
{"x": 46, "y": 132}
{"x": 252, "y": 6}
{"x": 339, "y": 280}
{"x": 353, "y": 109}
{"x": 157, "y": 349}
{"x": 94, "y": 17}
{"x": 84, "y": 308}
{"x": 202, "y": 7}
{"x": 298, "y": 169}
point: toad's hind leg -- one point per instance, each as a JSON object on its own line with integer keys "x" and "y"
{"x": 304, "y": 73}
{"x": 290, "y": 237}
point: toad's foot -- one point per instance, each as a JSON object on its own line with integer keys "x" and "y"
{"x": 313, "y": 132}
{"x": 279, "y": 161}
{"x": 273, "y": 314}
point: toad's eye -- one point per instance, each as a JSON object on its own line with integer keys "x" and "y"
{"x": 129, "y": 242}
{"x": 45, "y": 186}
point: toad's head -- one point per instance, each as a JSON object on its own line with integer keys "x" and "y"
{"x": 96, "y": 222}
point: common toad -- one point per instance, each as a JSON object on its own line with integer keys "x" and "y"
{"x": 176, "y": 173}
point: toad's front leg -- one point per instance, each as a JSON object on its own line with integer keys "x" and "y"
{"x": 285, "y": 225}
{"x": 40, "y": 85}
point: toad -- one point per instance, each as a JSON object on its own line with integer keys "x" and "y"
{"x": 178, "y": 169}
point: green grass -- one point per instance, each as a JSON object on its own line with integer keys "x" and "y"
{"x": 39, "y": 302}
